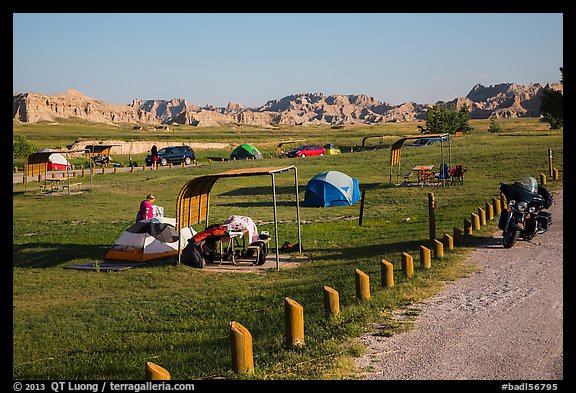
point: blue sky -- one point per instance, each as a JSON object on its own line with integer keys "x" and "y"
{"x": 250, "y": 58}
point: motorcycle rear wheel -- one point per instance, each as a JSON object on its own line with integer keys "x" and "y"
{"x": 510, "y": 237}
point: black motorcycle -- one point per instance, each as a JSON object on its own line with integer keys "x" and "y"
{"x": 524, "y": 216}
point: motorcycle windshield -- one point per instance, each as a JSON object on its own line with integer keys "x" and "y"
{"x": 527, "y": 183}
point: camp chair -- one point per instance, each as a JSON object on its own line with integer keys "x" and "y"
{"x": 457, "y": 174}
{"x": 444, "y": 175}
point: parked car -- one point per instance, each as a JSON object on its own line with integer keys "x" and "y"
{"x": 332, "y": 149}
{"x": 427, "y": 141}
{"x": 307, "y": 151}
{"x": 174, "y": 155}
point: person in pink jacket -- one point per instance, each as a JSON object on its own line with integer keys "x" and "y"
{"x": 146, "y": 210}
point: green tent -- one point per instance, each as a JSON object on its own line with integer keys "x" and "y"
{"x": 245, "y": 151}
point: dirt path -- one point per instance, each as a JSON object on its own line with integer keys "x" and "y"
{"x": 504, "y": 322}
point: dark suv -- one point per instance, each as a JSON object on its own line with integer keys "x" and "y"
{"x": 173, "y": 154}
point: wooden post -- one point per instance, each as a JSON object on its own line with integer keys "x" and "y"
{"x": 489, "y": 211}
{"x": 503, "y": 201}
{"x": 103, "y": 169}
{"x": 15, "y": 169}
{"x": 457, "y": 235}
{"x": 438, "y": 249}
{"x": 467, "y": 227}
{"x": 425, "y": 260}
{"x": 542, "y": 179}
{"x": 156, "y": 373}
{"x": 53, "y": 175}
{"x": 448, "y": 242}
{"x": 362, "y": 285}
{"x": 131, "y": 167}
{"x": 39, "y": 178}
{"x": 386, "y": 274}
{"x": 294, "y": 317}
{"x": 475, "y": 219}
{"x": 92, "y": 169}
{"x": 331, "y": 302}
{"x": 361, "y": 208}
{"x": 144, "y": 167}
{"x": 432, "y": 217}
{"x": 497, "y": 206}
{"x": 115, "y": 169}
{"x": 550, "y": 161}
{"x": 407, "y": 265}
{"x": 241, "y": 346}
{"x": 555, "y": 174}
{"x": 83, "y": 171}
{"x": 482, "y": 216}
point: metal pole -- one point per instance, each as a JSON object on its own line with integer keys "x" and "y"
{"x": 275, "y": 221}
{"x": 297, "y": 210}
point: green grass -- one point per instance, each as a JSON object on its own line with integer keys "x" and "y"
{"x": 72, "y": 324}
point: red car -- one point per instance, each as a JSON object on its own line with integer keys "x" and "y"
{"x": 307, "y": 151}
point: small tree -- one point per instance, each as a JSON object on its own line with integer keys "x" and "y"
{"x": 494, "y": 126}
{"x": 552, "y": 105}
{"x": 445, "y": 118}
{"x": 22, "y": 148}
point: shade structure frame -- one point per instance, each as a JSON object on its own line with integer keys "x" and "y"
{"x": 193, "y": 201}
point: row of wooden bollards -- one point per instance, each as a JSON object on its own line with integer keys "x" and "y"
{"x": 241, "y": 338}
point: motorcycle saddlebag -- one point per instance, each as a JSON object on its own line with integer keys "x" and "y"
{"x": 502, "y": 220}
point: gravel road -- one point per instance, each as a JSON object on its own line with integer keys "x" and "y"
{"x": 504, "y": 322}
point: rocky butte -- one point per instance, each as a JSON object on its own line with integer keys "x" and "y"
{"x": 500, "y": 101}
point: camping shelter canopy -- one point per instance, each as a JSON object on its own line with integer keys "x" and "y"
{"x": 99, "y": 150}
{"x": 244, "y": 151}
{"x": 37, "y": 163}
{"x": 193, "y": 202}
{"x": 397, "y": 146}
{"x": 331, "y": 188}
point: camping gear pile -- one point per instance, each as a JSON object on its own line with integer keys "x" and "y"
{"x": 203, "y": 248}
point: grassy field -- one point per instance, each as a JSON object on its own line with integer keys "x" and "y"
{"x": 71, "y": 324}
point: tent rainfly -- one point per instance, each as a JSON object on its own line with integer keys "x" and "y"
{"x": 331, "y": 188}
{"x": 148, "y": 239}
{"x": 193, "y": 202}
{"x": 395, "y": 149}
{"x": 245, "y": 151}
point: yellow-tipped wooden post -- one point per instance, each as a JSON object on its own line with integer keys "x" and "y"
{"x": 425, "y": 259}
{"x": 39, "y": 178}
{"x": 555, "y": 174}
{"x": 115, "y": 169}
{"x": 438, "y": 249}
{"x": 15, "y": 169}
{"x": 53, "y": 175}
{"x": 407, "y": 265}
{"x": 92, "y": 169}
{"x": 156, "y": 373}
{"x": 74, "y": 175}
{"x": 467, "y": 227}
{"x": 542, "y": 179}
{"x": 83, "y": 170}
{"x": 386, "y": 274}
{"x": 457, "y": 235}
{"x": 294, "y": 316}
{"x": 489, "y": 211}
{"x": 331, "y": 302}
{"x": 103, "y": 169}
{"x": 497, "y": 206}
{"x": 362, "y": 285}
{"x": 241, "y": 346}
{"x": 503, "y": 201}
{"x": 475, "y": 219}
{"x": 482, "y": 216}
{"x": 144, "y": 167}
{"x": 448, "y": 242}
{"x": 63, "y": 175}
{"x": 131, "y": 167}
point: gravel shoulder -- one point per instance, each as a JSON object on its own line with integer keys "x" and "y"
{"x": 503, "y": 322}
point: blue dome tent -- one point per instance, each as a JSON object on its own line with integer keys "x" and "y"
{"x": 331, "y": 188}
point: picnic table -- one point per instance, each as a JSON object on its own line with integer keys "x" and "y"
{"x": 53, "y": 184}
{"x": 424, "y": 173}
